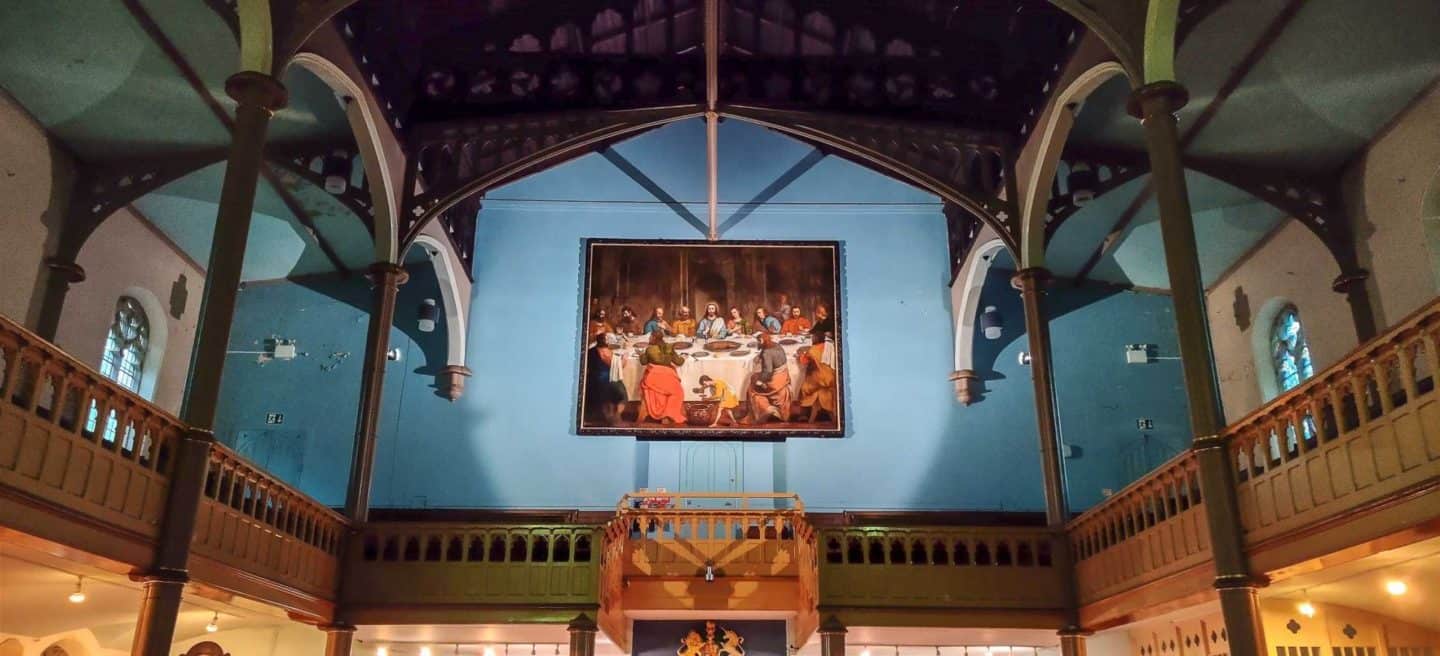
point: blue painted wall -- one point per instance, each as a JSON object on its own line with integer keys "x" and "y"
{"x": 509, "y": 441}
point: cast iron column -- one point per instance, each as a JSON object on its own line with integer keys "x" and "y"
{"x": 338, "y": 639}
{"x": 257, "y": 96}
{"x": 582, "y": 635}
{"x": 1032, "y": 282}
{"x": 387, "y": 279}
{"x": 832, "y": 637}
{"x": 1155, "y": 105}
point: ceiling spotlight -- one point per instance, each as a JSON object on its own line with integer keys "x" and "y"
{"x": 381, "y": 651}
{"x": 1082, "y": 181}
{"x": 78, "y": 596}
{"x": 1306, "y": 608}
{"x": 489, "y": 651}
{"x": 424, "y": 651}
{"x": 1396, "y": 587}
{"x": 865, "y": 652}
{"x": 214, "y": 624}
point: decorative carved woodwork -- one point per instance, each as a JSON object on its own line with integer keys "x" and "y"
{"x": 961, "y": 229}
{"x": 307, "y": 162}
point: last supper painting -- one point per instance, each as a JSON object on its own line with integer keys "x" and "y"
{"x": 695, "y": 339}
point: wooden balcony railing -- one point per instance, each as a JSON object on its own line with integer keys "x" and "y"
{"x": 1360, "y": 433}
{"x": 252, "y": 521}
{"x": 1150, "y": 530}
{"x": 400, "y": 567}
{"x": 939, "y": 568}
{"x": 74, "y": 439}
{"x": 93, "y": 454}
{"x": 699, "y": 551}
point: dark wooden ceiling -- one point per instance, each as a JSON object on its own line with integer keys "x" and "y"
{"x": 979, "y": 64}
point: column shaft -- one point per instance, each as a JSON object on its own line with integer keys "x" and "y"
{"x": 1155, "y": 105}
{"x": 1072, "y": 644}
{"x": 1032, "y": 282}
{"x": 387, "y": 279}
{"x": 257, "y": 96}
{"x": 832, "y": 637}
{"x": 582, "y": 635}
{"x": 339, "y": 639}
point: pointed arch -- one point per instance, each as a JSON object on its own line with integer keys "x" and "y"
{"x": 1053, "y": 136}
{"x": 455, "y": 300}
{"x": 368, "y": 125}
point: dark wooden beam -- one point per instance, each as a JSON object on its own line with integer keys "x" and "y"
{"x": 188, "y": 72}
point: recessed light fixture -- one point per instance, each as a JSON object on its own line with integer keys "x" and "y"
{"x": 78, "y": 596}
{"x": 1396, "y": 587}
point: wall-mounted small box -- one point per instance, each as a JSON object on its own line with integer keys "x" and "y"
{"x": 284, "y": 350}
{"x": 1137, "y": 353}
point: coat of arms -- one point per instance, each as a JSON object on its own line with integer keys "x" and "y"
{"x": 727, "y": 644}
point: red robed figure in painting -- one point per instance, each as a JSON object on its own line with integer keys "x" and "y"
{"x": 660, "y": 386}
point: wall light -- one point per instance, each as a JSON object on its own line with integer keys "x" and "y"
{"x": 992, "y": 323}
{"x": 78, "y": 596}
{"x": 1082, "y": 182}
{"x": 337, "y": 172}
{"x": 1396, "y": 587}
{"x": 1306, "y": 608}
{"x": 214, "y": 624}
{"x": 428, "y": 312}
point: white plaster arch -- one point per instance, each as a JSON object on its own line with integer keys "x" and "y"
{"x": 449, "y": 274}
{"x": 159, "y": 322}
{"x": 965, "y": 301}
{"x": 368, "y": 126}
{"x": 1054, "y": 132}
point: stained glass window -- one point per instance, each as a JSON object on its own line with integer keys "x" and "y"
{"x": 1290, "y": 350}
{"x": 126, "y": 346}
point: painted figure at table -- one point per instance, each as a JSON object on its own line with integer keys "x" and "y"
{"x": 604, "y": 397}
{"x": 765, "y": 322}
{"x": 736, "y": 323}
{"x": 795, "y": 323}
{"x": 784, "y": 306}
{"x": 824, "y": 324}
{"x": 600, "y": 323}
{"x": 712, "y": 325}
{"x": 817, "y": 382}
{"x": 628, "y": 323}
{"x": 660, "y": 388}
{"x": 770, "y": 388}
{"x": 714, "y": 389}
{"x": 685, "y": 324}
{"x": 657, "y": 322}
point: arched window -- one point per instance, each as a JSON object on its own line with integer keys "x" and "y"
{"x": 1290, "y": 350}
{"x": 126, "y": 345}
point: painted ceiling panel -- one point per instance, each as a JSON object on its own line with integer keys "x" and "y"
{"x": 1082, "y": 233}
{"x": 1337, "y": 75}
{"x": 88, "y": 72}
{"x": 1204, "y": 61}
{"x": 279, "y": 245}
{"x": 1228, "y": 221}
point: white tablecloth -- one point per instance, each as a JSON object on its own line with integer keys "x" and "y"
{"x": 723, "y": 365}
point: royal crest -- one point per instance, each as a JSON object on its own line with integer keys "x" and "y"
{"x": 727, "y": 644}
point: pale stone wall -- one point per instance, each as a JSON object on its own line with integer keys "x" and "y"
{"x": 1292, "y": 266}
{"x": 127, "y": 257}
{"x": 35, "y": 181}
{"x": 1384, "y": 192}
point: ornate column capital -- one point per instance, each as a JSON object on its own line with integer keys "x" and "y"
{"x": 390, "y": 273}
{"x": 68, "y": 271}
{"x": 337, "y": 627}
{"x": 1157, "y": 98}
{"x": 257, "y": 89}
{"x": 582, "y": 624}
{"x": 1348, "y": 279}
{"x": 451, "y": 381}
{"x": 1031, "y": 278}
{"x": 832, "y": 626}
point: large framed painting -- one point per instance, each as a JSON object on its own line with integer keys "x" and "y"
{"x": 697, "y": 339}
